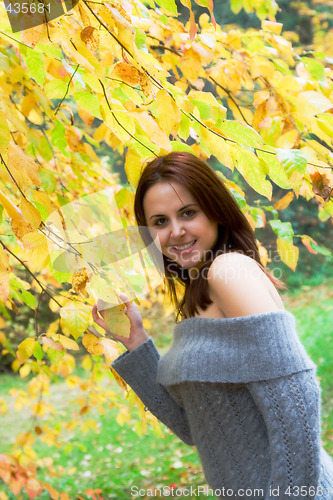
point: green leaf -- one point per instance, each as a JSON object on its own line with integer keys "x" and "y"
{"x": 275, "y": 169}
{"x": 38, "y": 352}
{"x": 236, "y": 6}
{"x": 140, "y": 149}
{"x": 48, "y": 181}
{"x": 284, "y": 230}
{"x": 58, "y": 138}
{"x": 123, "y": 197}
{"x": 184, "y": 127}
{"x": 181, "y": 146}
{"x": 292, "y": 160}
{"x": 249, "y": 166}
{"x": 55, "y": 356}
{"x": 28, "y": 299}
{"x": 4, "y": 63}
{"x": 320, "y": 249}
{"x": 50, "y": 50}
{"x": 243, "y": 134}
{"x": 169, "y": 5}
{"x": 204, "y": 109}
{"x": 238, "y": 197}
{"x": 35, "y": 66}
{"x": 140, "y": 38}
{"x": 55, "y": 89}
{"x": 89, "y": 102}
{"x": 315, "y": 68}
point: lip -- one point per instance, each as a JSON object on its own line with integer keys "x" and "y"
{"x": 187, "y": 249}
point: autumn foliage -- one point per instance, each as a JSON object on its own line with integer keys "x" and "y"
{"x": 132, "y": 76}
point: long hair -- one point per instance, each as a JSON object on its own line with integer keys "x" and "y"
{"x": 216, "y": 201}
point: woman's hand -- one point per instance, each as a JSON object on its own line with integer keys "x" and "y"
{"x": 138, "y": 334}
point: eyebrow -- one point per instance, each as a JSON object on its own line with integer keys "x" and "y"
{"x": 162, "y": 215}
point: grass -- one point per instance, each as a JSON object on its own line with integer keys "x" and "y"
{"x": 114, "y": 458}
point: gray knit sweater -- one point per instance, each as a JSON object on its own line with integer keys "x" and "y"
{"x": 245, "y": 393}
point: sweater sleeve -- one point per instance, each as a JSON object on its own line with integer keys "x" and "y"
{"x": 139, "y": 369}
{"x": 290, "y": 407}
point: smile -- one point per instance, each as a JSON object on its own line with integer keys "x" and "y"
{"x": 182, "y": 248}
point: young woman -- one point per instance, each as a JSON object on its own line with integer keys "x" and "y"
{"x": 236, "y": 382}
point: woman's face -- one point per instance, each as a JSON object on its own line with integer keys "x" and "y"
{"x": 177, "y": 219}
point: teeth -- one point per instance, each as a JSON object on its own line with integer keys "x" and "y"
{"x": 185, "y": 246}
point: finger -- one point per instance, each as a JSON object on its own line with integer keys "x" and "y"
{"x": 123, "y": 297}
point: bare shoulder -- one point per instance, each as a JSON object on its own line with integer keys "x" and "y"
{"x": 234, "y": 261}
{"x": 239, "y": 287}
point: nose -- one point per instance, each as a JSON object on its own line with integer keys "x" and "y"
{"x": 177, "y": 230}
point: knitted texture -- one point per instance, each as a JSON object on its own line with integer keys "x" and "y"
{"x": 245, "y": 393}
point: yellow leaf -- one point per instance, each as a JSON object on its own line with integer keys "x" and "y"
{"x": 126, "y": 32}
{"x": 90, "y": 37}
{"x": 263, "y": 254}
{"x": 31, "y": 36}
{"x": 12, "y": 210}
{"x": 311, "y": 103}
{"x": 75, "y": 317}
{"x": 3, "y": 410}
{"x": 285, "y": 201}
{"x": 272, "y": 26}
{"x": 191, "y": 64}
{"x": 116, "y": 321}
{"x": 40, "y": 408}
{"x": 91, "y": 343}
{"x": 25, "y": 370}
{"x": 45, "y": 200}
{"x": 4, "y": 285}
{"x": 155, "y": 134}
{"x": 147, "y": 323}
{"x": 79, "y": 281}
{"x": 36, "y": 250}
{"x": 120, "y": 381}
{"x": 261, "y": 67}
{"x": 289, "y": 140}
{"x": 110, "y": 350}
{"x": 218, "y": 147}
{"x": 66, "y": 342}
{"x": 23, "y": 164}
{"x": 86, "y": 363}
{"x": 169, "y": 115}
{"x": 52, "y": 344}
{"x": 147, "y": 87}
{"x": 20, "y": 228}
{"x": 4, "y": 133}
{"x": 288, "y": 253}
{"x": 24, "y": 439}
{"x": 127, "y": 73}
{"x": 26, "y": 348}
{"x": 132, "y": 164}
{"x": 30, "y": 213}
{"x": 2, "y": 338}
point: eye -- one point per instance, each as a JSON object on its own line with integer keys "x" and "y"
{"x": 157, "y": 222}
{"x": 163, "y": 218}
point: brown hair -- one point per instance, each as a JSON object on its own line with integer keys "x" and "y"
{"x": 216, "y": 201}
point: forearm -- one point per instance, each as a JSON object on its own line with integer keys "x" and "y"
{"x": 139, "y": 369}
